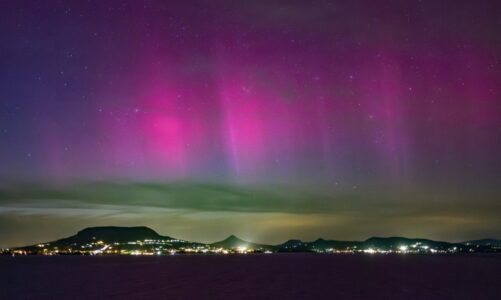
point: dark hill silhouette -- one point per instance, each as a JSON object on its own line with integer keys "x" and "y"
{"x": 126, "y": 235}
{"x": 232, "y": 242}
{"x": 334, "y": 244}
{"x": 294, "y": 246}
{"x": 484, "y": 242}
{"x": 112, "y": 234}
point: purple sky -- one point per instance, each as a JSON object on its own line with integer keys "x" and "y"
{"x": 341, "y": 100}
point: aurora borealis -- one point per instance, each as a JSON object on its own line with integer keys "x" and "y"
{"x": 265, "y": 119}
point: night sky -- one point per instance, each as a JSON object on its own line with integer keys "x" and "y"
{"x": 266, "y": 119}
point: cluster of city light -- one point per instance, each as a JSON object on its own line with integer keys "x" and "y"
{"x": 417, "y": 248}
{"x": 171, "y": 247}
{"x": 138, "y": 247}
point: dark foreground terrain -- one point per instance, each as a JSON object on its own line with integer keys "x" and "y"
{"x": 257, "y": 276}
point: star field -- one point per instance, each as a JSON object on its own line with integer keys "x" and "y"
{"x": 367, "y": 109}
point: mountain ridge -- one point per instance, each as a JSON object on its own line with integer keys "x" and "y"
{"x": 139, "y": 236}
{"x": 484, "y": 242}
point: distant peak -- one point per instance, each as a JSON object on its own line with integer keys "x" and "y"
{"x": 233, "y": 238}
{"x": 232, "y": 241}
